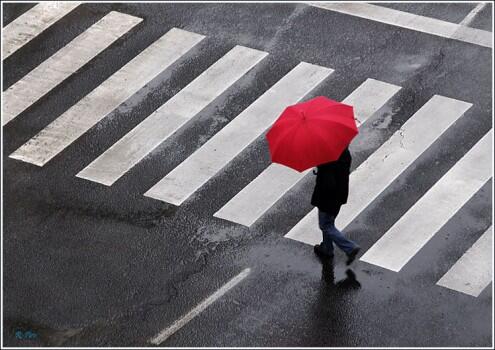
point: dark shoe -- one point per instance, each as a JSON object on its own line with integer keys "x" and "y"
{"x": 322, "y": 254}
{"x": 352, "y": 255}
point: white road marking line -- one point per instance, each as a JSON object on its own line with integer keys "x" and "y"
{"x": 266, "y": 189}
{"x": 420, "y": 223}
{"x": 171, "y": 116}
{"x": 386, "y": 164}
{"x": 167, "y": 332}
{"x": 411, "y": 21}
{"x": 466, "y": 33}
{"x": 203, "y": 164}
{"x": 65, "y": 62}
{"x": 106, "y": 97}
{"x": 472, "y": 273}
{"x": 471, "y": 15}
{"x": 30, "y": 24}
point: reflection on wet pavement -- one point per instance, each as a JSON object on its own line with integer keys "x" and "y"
{"x": 328, "y": 275}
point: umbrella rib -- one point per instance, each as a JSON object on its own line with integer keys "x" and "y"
{"x": 332, "y": 106}
{"x": 282, "y": 137}
{"x": 325, "y": 140}
{"x": 339, "y": 136}
{"x": 316, "y": 134}
{"x": 340, "y": 125}
{"x": 334, "y": 116}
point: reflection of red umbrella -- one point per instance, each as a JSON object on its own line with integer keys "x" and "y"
{"x": 311, "y": 133}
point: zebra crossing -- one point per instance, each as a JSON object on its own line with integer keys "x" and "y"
{"x": 65, "y": 62}
{"x": 392, "y": 251}
{"x": 105, "y": 98}
{"x": 32, "y": 23}
{"x": 470, "y": 274}
{"x": 401, "y": 242}
{"x": 175, "y": 113}
{"x": 262, "y": 193}
{"x": 232, "y": 139}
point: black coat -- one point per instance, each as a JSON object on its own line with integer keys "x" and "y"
{"x": 332, "y": 184}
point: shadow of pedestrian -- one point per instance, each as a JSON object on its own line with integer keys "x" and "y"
{"x": 334, "y": 309}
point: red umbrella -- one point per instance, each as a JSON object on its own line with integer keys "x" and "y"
{"x": 311, "y": 133}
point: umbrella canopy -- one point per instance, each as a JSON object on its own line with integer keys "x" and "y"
{"x": 311, "y": 133}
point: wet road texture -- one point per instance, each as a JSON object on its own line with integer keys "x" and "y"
{"x": 90, "y": 265}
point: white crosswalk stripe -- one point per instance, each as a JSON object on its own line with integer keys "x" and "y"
{"x": 380, "y": 169}
{"x": 65, "y": 62}
{"x": 473, "y": 272}
{"x": 208, "y": 160}
{"x": 175, "y": 113}
{"x": 30, "y": 24}
{"x": 106, "y": 97}
{"x": 265, "y": 190}
{"x": 418, "y": 225}
{"x": 457, "y": 31}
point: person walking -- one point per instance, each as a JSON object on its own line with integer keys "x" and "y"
{"x": 330, "y": 193}
{"x": 318, "y": 133}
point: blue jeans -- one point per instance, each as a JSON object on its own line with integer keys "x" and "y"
{"x": 332, "y": 235}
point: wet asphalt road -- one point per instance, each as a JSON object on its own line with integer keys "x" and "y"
{"x": 89, "y": 265}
